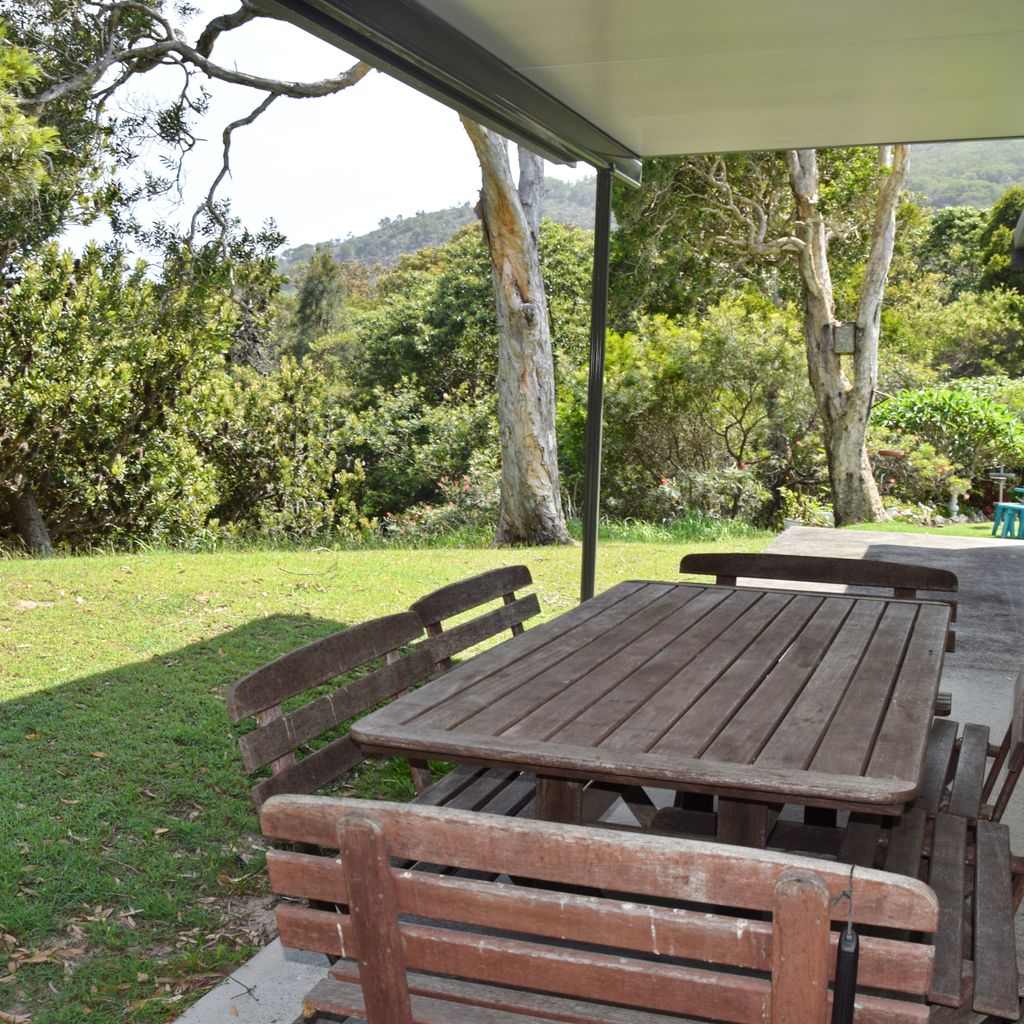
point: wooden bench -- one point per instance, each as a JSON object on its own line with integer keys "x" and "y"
{"x": 302, "y": 716}
{"x": 662, "y": 929}
{"x": 456, "y": 598}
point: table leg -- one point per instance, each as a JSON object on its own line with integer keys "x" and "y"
{"x": 559, "y": 800}
{"x": 745, "y": 823}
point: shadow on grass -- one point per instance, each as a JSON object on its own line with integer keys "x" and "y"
{"x": 130, "y": 866}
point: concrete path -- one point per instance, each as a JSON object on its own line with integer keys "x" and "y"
{"x": 990, "y": 652}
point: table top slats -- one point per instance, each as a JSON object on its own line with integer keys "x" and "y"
{"x": 737, "y": 690}
{"x": 637, "y": 637}
{"x": 850, "y": 737}
{"x": 704, "y": 720}
{"x": 796, "y": 737}
{"x": 570, "y": 703}
{"x": 903, "y": 736}
{"x": 646, "y": 703}
{"x": 761, "y": 713}
{"x": 478, "y": 680}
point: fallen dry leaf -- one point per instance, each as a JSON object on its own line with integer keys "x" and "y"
{"x": 160, "y": 831}
{"x": 97, "y": 753}
{"x": 25, "y": 605}
{"x": 33, "y": 735}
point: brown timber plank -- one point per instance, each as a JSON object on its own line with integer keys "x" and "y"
{"x": 641, "y": 708}
{"x": 796, "y": 737}
{"x": 467, "y": 634}
{"x": 624, "y": 645}
{"x": 672, "y": 932}
{"x": 463, "y": 595}
{"x": 704, "y": 718}
{"x": 312, "y": 772}
{"x": 481, "y": 681}
{"x": 995, "y": 953}
{"x": 563, "y": 706}
{"x": 491, "y": 661}
{"x": 846, "y": 746}
{"x": 965, "y": 797}
{"x": 620, "y": 862}
{"x": 278, "y": 737}
{"x": 946, "y": 877}
{"x": 671, "y": 677}
{"x": 756, "y": 720}
{"x": 900, "y": 746}
{"x": 800, "y": 949}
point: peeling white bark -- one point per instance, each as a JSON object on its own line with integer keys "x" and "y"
{"x": 531, "y": 505}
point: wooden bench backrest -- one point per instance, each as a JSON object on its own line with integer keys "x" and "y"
{"x": 687, "y": 956}
{"x": 1010, "y": 756}
{"x": 467, "y": 594}
{"x": 281, "y": 733}
{"x": 903, "y": 580}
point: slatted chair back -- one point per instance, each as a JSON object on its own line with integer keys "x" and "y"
{"x": 285, "y": 731}
{"x": 456, "y": 598}
{"x": 649, "y": 934}
{"x": 904, "y": 581}
{"x": 1009, "y": 759}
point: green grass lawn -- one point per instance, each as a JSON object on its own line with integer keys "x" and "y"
{"x": 131, "y": 868}
{"x": 958, "y": 530}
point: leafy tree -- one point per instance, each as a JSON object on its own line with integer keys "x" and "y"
{"x": 106, "y": 375}
{"x": 836, "y": 223}
{"x": 320, "y": 290}
{"x": 996, "y": 240}
{"x": 25, "y": 146}
{"x": 952, "y": 248}
{"x": 971, "y": 429}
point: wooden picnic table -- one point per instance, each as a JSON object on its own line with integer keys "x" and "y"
{"x": 762, "y": 697}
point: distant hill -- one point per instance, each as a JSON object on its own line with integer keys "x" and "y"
{"x": 565, "y": 202}
{"x": 965, "y": 173}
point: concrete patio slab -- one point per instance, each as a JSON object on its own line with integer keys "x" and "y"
{"x": 990, "y": 652}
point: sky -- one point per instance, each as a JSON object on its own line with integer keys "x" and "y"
{"x": 322, "y": 168}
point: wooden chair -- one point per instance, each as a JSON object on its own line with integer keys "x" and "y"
{"x": 467, "y": 594}
{"x": 291, "y": 739}
{"x": 687, "y": 935}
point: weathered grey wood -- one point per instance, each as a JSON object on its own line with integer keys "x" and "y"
{"x": 800, "y": 949}
{"x": 464, "y": 595}
{"x": 946, "y": 877}
{"x": 937, "y": 759}
{"x": 996, "y": 978}
{"x": 470, "y": 932}
{"x": 965, "y": 796}
{"x": 906, "y": 843}
{"x": 459, "y": 638}
{"x": 261, "y": 746}
{"x": 1010, "y": 756}
{"x": 311, "y": 773}
{"x": 860, "y": 840}
{"x": 650, "y": 683}
{"x": 854, "y": 572}
{"x": 318, "y": 662}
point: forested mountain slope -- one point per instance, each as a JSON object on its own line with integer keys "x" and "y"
{"x": 569, "y": 203}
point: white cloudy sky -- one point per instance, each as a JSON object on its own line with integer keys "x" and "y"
{"x": 322, "y": 168}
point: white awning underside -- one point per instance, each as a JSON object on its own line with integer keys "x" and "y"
{"x": 691, "y": 76}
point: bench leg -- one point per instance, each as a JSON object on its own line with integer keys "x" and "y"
{"x": 745, "y": 823}
{"x": 559, "y": 800}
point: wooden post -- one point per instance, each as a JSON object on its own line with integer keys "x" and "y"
{"x": 374, "y": 912}
{"x": 800, "y": 950}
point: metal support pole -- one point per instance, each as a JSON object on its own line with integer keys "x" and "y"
{"x": 595, "y": 385}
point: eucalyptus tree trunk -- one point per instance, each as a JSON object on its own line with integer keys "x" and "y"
{"x": 844, "y": 401}
{"x": 531, "y": 504}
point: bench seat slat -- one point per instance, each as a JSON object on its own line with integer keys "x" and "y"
{"x": 965, "y": 798}
{"x": 937, "y": 759}
{"x": 995, "y": 952}
{"x": 946, "y": 877}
